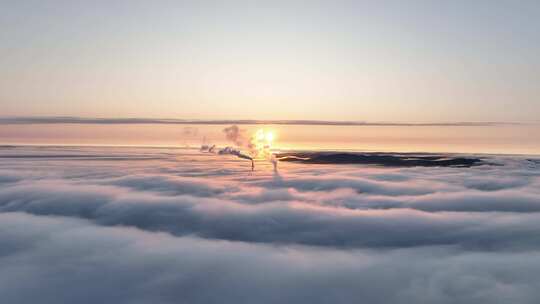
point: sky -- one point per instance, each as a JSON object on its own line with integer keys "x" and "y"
{"x": 498, "y": 139}
{"x": 131, "y": 170}
{"x": 397, "y": 61}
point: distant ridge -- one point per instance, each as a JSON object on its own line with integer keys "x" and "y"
{"x": 112, "y": 121}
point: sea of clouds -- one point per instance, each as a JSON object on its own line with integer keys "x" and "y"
{"x": 130, "y": 225}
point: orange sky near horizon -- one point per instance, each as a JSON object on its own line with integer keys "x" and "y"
{"x": 514, "y": 139}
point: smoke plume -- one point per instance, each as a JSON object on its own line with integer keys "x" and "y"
{"x": 237, "y": 153}
{"x": 234, "y": 134}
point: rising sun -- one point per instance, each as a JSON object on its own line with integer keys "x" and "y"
{"x": 265, "y": 137}
{"x": 262, "y": 141}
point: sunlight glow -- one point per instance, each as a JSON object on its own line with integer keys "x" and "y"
{"x": 261, "y": 143}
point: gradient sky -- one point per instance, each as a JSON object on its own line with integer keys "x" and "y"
{"x": 335, "y": 60}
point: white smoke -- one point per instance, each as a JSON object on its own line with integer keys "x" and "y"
{"x": 258, "y": 146}
{"x": 237, "y": 153}
{"x": 234, "y": 134}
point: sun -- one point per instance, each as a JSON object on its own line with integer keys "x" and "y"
{"x": 265, "y": 137}
{"x": 269, "y": 136}
{"x": 262, "y": 141}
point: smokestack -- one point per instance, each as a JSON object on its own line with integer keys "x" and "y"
{"x": 274, "y": 161}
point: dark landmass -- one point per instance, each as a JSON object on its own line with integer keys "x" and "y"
{"x": 534, "y": 162}
{"x": 381, "y": 159}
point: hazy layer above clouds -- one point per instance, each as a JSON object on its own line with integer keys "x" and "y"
{"x": 126, "y": 225}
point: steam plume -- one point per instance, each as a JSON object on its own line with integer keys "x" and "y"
{"x": 258, "y": 145}
{"x": 234, "y": 134}
{"x": 237, "y": 153}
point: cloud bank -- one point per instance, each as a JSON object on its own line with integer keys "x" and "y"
{"x": 112, "y": 121}
{"x": 151, "y": 226}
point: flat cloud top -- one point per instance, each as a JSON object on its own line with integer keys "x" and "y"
{"x": 166, "y": 226}
{"x": 112, "y": 121}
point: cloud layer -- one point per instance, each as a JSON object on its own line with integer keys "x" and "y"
{"x": 112, "y": 121}
{"x": 178, "y": 226}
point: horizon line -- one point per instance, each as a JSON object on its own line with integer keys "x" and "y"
{"x": 27, "y": 120}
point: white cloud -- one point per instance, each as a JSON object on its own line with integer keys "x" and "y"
{"x": 194, "y": 228}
